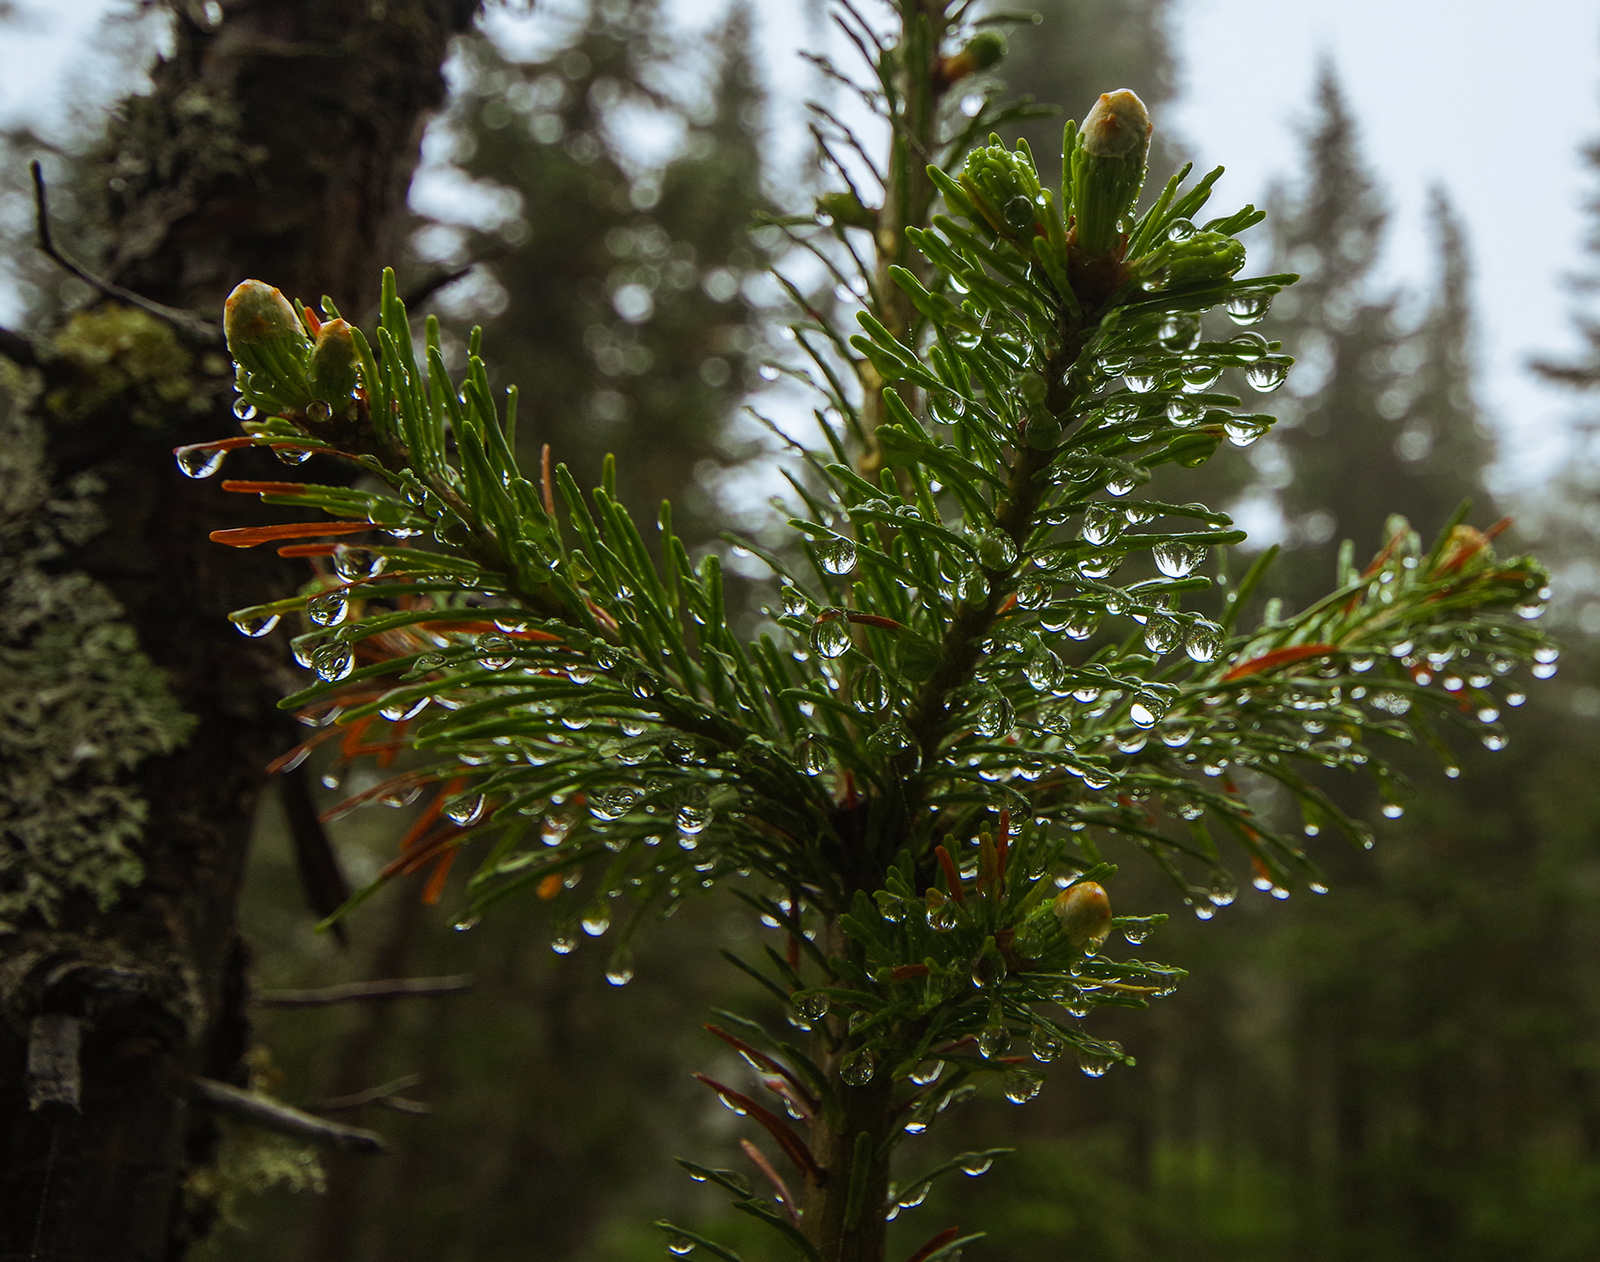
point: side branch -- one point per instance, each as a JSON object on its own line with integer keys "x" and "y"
{"x": 272, "y": 1115}
{"x": 187, "y": 322}
{"x": 355, "y": 992}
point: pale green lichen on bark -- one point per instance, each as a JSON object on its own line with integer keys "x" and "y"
{"x": 80, "y": 705}
{"x": 124, "y": 355}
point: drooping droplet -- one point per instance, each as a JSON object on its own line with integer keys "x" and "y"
{"x": 1102, "y": 523}
{"x": 1094, "y": 1064}
{"x": 1202, "y": 640}
{"x": 244, "y": 409}
{"x": 830, "y": 635}
{"x": 615, "y": 802}
{"x": 1100, "y": 564}
{"x": 328, "y": 609}
{"x": 464, "y": 811}
{"x": 1162, "y": 635}
{"x": 354, "y": 563}
{"x": 1045, "y": 1045}
{"x": 867, "y": 691}
{"x": 679, "y": 1246}
{"x": 254, "y": 625}
{"x": 1248, "y": 308}
{"x": 837, "y": 555}
{"x": 619, "y": 972}
{"x": 1081, "y": 624}
{"x": 794, "y": 601}
{"x": 199, "y": 461}
{"x": 1248, "y": 346}
{"x": 858, "y": 1068}
{"x": 1021, "y": 1085}
{"x": 1244, "y": 430}
{"x": 1043, "y": 671}
{"x": 976, "y": 1164}
{"x": 996, "y": 550}
{"x": 292, "y": 455}
{"x": 993, "y": 1040}
{"x": 692, "y": 820}
{"x": 926, "y": 1073}
{"x": 333, "y": 662}
{"x": 1198, "y": 377}
{"x": 403, "y": 708}
{"x": 1175, "y": 559}
{"x": 812, "y": 755}
{"x": 1147, "y": 708}
{"x": 1180, "y": 332}
{"x": 993, "y": 717}
{"x": 1266, "y": 375}
{"x": 596, "y": 920}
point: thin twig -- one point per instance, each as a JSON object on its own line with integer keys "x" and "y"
{"x": 427, "y": 288}
{"x": 274, "y": 1115}
{"x": 387, "y": 1095}
{"x": 187, "y": 321}
{"x": 352, "y": 992}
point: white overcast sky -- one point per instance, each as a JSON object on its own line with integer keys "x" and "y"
{"x": 1492, "y": 100}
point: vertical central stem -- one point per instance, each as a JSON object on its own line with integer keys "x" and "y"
{"x": 844, "y": 1215}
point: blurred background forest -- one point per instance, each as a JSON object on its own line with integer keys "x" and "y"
{"x": 1405, "y": 1068}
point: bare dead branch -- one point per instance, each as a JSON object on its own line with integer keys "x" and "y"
{"x": 187, "y": 322}
{"x": 274, "y": 1115}
{"x": 386, "y": 1095}
{"x": 355, "y": 992}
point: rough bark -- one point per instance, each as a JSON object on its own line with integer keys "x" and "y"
{"x": 278, "y": 145}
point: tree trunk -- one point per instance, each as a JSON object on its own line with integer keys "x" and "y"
{"x": 278, "y": 145}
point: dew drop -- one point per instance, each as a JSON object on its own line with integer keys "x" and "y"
{"x": 867, "y": 691}
{"x": 812, "y": 755}
{"x": 794, "y": 601}
{"x": 830, "y": 635}
{"x": 198, "y": 461}
{"x": 254, "y": 625}
{"x": 465, "y": 810}
{"x": 1266, "y": 375}
{"x": 926, "y": 1073}
{"x": 1093, "y": 1064}
{"x": 244, "y": 409}
{"x": 293, "y": 455}
{"x": 1102, "y": 523}
{"x": 1244, "y": 430}
{"x": 328, "y": 609}
{"x": 837, "y": 555}
{"x": 333, "y": 662}
{"x": 858, "y": 1068}
{"x": 1202, "y": 641}
{"x": 1248, "y": 308}
{"x": 1021, "y": 1085}
{"x": 1100, "y": 564}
